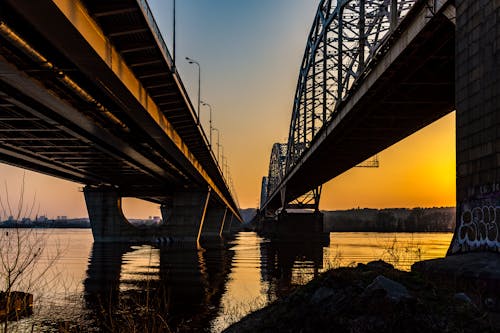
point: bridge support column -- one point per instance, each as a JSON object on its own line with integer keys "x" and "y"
{"x": 228, "y": 224}
{"x": 188, "y": 215}
{"x": 477, "y": 95}
{"x": 108, "y": 223}
{"x": 166, "y": 212}
{"x": 213, "y": 222}
{"x": 224, "y": 221}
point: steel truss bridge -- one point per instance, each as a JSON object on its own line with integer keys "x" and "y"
{"x": 373, "y": 72}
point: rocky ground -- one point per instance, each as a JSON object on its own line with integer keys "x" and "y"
{"x": 372, "y": 298}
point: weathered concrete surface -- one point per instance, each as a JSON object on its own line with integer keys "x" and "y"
{"x": 291, "y": 226}
{"x": 184, "y": 220}
{"x": 214, "y": 220}
{"x": 108, "y": 223}
{"x": 229, "y": 224}
{"x": 477, "y": 98}
{"x": 477, "y": 273}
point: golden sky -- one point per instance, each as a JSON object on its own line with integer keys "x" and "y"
{"x": 250, "y": 56}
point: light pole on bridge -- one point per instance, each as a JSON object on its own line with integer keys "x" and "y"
{"x": 210, "y": 108}
{"x": 218, "y": 142}
{"x": 191, "y": 61}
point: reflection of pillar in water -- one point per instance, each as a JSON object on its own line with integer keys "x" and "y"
{"x": 186, "y": 293}
{"x": 192, "y": 283}
{"x": 102, "y": 283}
{"x": 278, "y": 263}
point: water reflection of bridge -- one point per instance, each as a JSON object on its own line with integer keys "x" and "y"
{"x": 182, "y": 285}
{"x": 288, "y": 263}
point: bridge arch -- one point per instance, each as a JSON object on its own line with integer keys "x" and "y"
{"x": 344, "y": 38}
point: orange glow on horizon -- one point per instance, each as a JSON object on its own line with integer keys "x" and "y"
{"x": 419, "y": 171}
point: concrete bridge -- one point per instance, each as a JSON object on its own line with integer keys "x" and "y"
{"x": 375, "y": 72}
{"x": 89, "y": 93}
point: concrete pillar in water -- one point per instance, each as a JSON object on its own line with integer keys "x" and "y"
{"x": 184, "y": 217}
{"x": 108, "y": 223}
{"x": 188, "y": 215}
{"x": 166, "y": 212}
{"x": 477, "y": 97}
{"x": 213, "y": 222}
{"x": 229, "y": 224}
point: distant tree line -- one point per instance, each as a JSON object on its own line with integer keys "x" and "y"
{"x": 391, "y": 220}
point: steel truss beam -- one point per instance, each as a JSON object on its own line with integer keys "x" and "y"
{"x": 345, "y": 39}
{"x": 342, "y": 41}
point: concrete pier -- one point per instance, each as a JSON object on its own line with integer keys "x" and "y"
{"x": 166, "y": 212}
{"x": 188, "y": 215}
{"x": 228, "y": 225}
{"x": 214, "y": 220}
{"x": 477, "y": 50}
{"x": 183, "y": 220}
{"x": 293, "y": 226}
{"x": 108, "y": 223}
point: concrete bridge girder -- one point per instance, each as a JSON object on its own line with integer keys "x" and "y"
{"x": 72, "y": 32}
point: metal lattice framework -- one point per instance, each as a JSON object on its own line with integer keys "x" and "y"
{"x": 345, "y": 39}
{"x": 276, "y": 166}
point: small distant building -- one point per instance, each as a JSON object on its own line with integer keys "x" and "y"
{"x": 41, "y": 219}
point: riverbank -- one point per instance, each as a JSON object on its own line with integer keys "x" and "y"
{"x": 437, "y": 219}
{"x": 373, "y": 298}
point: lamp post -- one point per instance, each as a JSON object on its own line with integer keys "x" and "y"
{"x": 218, "y": 142}
{"x": 222, "y": 160}
{"x": 173, "y": 37}
{"x": 210, "y": 108}
{"x": 191, "y": 61}
{"x": 225, "y": 167}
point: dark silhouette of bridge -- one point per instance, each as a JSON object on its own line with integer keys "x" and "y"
{"x": 89, "y": 93}
{"x": 373, "y": 73}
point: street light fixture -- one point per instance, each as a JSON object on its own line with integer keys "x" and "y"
{"x": 210, "y": 108}
{"x": 191, "y": 61}
{"x": 222, "y": 160}
{"x": 218, "y": 142}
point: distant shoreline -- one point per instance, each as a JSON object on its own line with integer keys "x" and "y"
{"x": 391, "y": 220}
{"x": 43, "y": 227}
{"x": 435, "y": 219}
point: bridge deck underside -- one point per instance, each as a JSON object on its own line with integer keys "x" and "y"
{"x": 415, "y": 90}
{"x": 125, "y": 26}
{"x": 49, "y": 128}
{"x": 33, "y": 137}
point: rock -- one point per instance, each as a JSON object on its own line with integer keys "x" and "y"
{"x": 462, "y": 297}
{"x": 394, "y": 291}
{"x": 489, "y": 303}
{"x": 321, "y": 294}
{"x": 379, "y": 264}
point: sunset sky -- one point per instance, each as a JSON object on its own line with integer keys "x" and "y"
{"x": 250, "y": 53}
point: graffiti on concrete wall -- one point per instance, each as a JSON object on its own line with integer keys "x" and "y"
{"x": 478, "y": 224}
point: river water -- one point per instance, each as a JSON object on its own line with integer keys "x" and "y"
{"x": 196, "y": 290}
